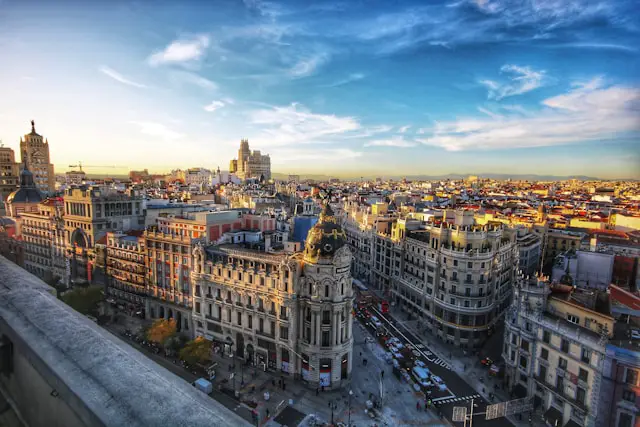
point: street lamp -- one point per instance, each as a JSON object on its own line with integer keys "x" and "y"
{"x": 334, "y": 406}
{"x": 349, "y": 420}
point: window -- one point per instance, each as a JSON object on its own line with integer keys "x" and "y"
{"x": 455, "y": 263}
{"x": 542, "y": 373}
{"x": 469, "y": 265}
{"x": 581, "y": 395}
{"x": 326, "y": 317}
{"x": 523, "y": 362}
{"x": 284, "y": 333}
{"x": 326, "y": 291}
{"x": 629, "y": 396}
{"x": 524, "y": 344}
{"x": 544, "y": 354}
{"x": 564, "y": 346}
{"x": 631, "y": 377}
{"x": 325, "y": 339}
{"x": 573, "y": 319}
{"x": 625, "y": 420}
{"x": 261, "y": 325}
{"x": 583, "y": 375}
{"x": 250, "y": 321}
{"x": 229, "y": 316}
{"x": 514, "y": 339}
{"x": 283, "y": 312}
{"x": 198, "y": 307}
{"x": 562, "y": 363}
{"x": 239, "y": 318}
{"x": 546, "y": 336}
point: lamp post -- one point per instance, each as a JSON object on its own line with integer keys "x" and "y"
{"x": 349, "y": 416}
{"x": 333, "y": 405}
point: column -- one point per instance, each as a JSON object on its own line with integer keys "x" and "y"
{"x": 318, "y": 329}
{"x": 336, "y": 328}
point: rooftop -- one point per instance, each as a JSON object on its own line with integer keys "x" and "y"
{"x": 94, "y": 371}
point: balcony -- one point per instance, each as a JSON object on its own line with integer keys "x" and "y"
{"x": 560, "y": 391}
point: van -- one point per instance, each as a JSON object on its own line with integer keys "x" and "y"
{"x": 421, "y": 376}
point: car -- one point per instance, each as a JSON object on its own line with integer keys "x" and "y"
{"x": 420, "y": 364}
{"x": 487, "y": 362}
{"x": 635, "y": 334}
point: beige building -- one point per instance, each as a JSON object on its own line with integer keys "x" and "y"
{"x": 126, "y": 269}
{"x": 9, "y": 174}
{"x": 555, "y": 348}
{"x": 35, "y": 155}
{"x": 75, "y": 177}
{"x": 290, "y": 313}
{"x": 89, "y": 213}
{"x": 43, "y": 241}
{"x": 250, "y": 164}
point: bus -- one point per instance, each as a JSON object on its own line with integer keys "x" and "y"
{"x": 384, "y": 307}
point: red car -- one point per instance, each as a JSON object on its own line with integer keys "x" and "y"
{"x": 487, "y": 362}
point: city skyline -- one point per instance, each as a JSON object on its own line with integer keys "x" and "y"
{"x": 331, "y": 88}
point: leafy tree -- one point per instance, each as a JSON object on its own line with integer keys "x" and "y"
{"x": 197, "y": 351}
{"x": 161, "y": 331}
{"x": 84, "y": 300}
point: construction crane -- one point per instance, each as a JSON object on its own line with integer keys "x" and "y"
{"x": 80, "y": 165}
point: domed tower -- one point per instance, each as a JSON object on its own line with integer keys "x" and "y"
{"x": 26, "y": 197}
{"x": 326, "y": 301}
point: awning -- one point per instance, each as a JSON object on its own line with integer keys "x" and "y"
{"x": 520, "y": 391}
{"x": 553, "y": 417}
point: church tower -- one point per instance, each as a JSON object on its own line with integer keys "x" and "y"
{"x": 325, "y": 305}
{"x": 35, "y": 157}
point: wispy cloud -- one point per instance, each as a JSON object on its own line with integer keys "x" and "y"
{"x": 119, "y": 77}
{"x": 180, "y": 51}
{"x": 267, "y": 9}
{"x": 595, "y": 45}
{"x": 296, "y": 124}
{"x": 157, "y": 130}
{"x": 398, "y": 142}
{"x": 404, "y": 129}
{"x": 308, "y": 66}
{"x": 521, "y": 80}
{"x": 213, "y": 106}
{"x": 180, "y": 77}
{"x": 354, "y": 77}
{"x": 590, "y": 111}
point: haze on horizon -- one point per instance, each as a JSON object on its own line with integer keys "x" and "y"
{"x": 334, "y": 88}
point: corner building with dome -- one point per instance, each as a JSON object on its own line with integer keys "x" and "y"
{"x": 278, "y": 308}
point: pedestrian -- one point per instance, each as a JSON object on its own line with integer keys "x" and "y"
{"x": 360, "y": 354}
{"x": 284, "y": 386}
{"x": 382, "y": 373}
{"x": 418, "y": 405}
{"x": 318, "y": 391}
{"x": 323, "y": 389}
{"x": 267, "y": 413}
{"x": 273, "y": 382}
{"x": 279, "y": 383}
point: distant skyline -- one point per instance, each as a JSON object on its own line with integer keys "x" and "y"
{"x": 335, "y": 88}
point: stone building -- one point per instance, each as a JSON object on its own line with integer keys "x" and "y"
{"x": 554, "y": 349}
{"x": 35, "y": 156}
{"x": 89, "y": 213}
{"x": 26, "y": 198}
{"x": 250, "y": 164}
{"x": 286, "y": 312}
{"x": 126, "y": 268}
{"x": 9, "y": 175}
{"x": 43, "y": 241}
{"x": 457, "y": 278}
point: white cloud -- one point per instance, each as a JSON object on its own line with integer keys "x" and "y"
{"x": 404, "y": 129}
{"x": 393, "y": 142}
{"x": 308, "y": 66}
{"x": 119, "y": 77}
{"x": 229, "y": 101}
{"x": 521, "y": 80}
{"x": 590, "y": 111}
{"x": 178, "y": 51}
{"x": 157, "y": 130}
{"x": 296, "y": 124}
{"x": 354, "y": 77}
{"x": 213, "y": 106}
{"x": 187, "y": 77}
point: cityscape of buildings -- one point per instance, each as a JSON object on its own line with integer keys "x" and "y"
{"x": 272, "y": 271}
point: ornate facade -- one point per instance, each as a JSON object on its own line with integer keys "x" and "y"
{"x": 126, "y": 269}
{"x": 35, "y": 156}
{"x": 290, "y": 313}
{"x": 250, "y": 164}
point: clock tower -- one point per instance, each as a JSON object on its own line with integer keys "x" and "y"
{"x": 35, "y": 156}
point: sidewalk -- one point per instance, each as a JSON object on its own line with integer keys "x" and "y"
{"x": 467, "y": 364}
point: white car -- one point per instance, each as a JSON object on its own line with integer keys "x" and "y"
{"x": 635, "y": 334}
{"x": 420, "y": 363}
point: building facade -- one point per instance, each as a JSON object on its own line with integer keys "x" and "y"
{"x": 75, "y": 177}
{"x": 126, "y": 268}
{"x": 89, "y": 213}
{"x": 554, "y": 350}
{"x": 250, "y": 164}
{"x": 286, "y": 312}
{"x": 35, "y": 156}
{"x": 9, "y": 174}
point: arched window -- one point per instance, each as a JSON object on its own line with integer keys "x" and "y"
{"x": 326, "y": 291}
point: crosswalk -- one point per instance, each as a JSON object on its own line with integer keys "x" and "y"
{"x": 446, "y": 400}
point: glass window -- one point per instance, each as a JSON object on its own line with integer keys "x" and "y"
{"x": 631, "y": 377}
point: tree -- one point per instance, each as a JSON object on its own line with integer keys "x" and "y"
{"x": 161, "y": 331}
{"x": 197, "y": 351}
{"x": 84, "y": 300}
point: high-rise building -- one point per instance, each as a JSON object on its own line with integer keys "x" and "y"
{"x": 35, "y": 156}
{"x": 9, "y": 174}
{"x": 281, "y": 311}
{"x": 250, "y": 164}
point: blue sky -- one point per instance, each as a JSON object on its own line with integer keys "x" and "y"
{"x": 345, "y": 88}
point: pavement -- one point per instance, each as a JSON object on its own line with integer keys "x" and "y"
{"x": 465, "y": 375}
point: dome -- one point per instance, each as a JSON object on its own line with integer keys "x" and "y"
{"x": 27, "y": 192}
{"x": 325, "y": 237}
